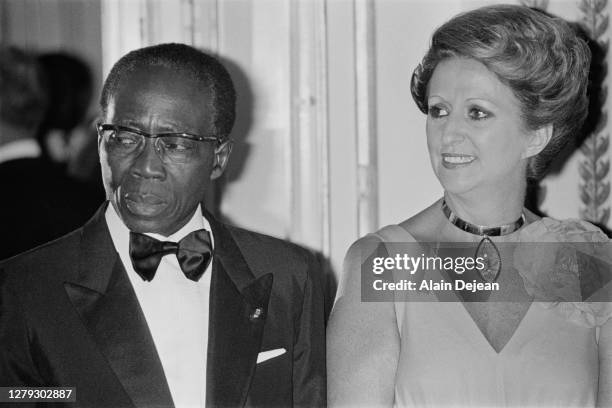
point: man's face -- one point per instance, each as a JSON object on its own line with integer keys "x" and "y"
{"x": 151, "y": 194}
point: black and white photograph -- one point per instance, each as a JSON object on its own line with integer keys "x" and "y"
{"x": 305, "y": 203}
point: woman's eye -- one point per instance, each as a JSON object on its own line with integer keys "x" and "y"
{"x": 437, "y": 111}
{"x": 478, "y": 114}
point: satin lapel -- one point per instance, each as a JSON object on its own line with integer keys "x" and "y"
{"x": 107, "y": 304}
{"x": 238, "y": 309}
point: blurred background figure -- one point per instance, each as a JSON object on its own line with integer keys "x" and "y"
{"x": 39, "y": 202}
{"x": 67, "y": 134}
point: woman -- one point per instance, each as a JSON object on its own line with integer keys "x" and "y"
{"x": 504, "y": 88}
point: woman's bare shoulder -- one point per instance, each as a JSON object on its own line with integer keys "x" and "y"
{"x": 423, "y": 226}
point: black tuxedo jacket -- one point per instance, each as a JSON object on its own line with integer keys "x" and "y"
{"x": 69, "y": 317}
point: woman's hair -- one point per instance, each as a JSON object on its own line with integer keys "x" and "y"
{"x": 538, "y": 56}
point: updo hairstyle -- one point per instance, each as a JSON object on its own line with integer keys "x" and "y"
{"x": 538, "y": 56}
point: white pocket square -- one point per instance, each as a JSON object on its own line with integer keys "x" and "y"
{"x": 266, "y": 355}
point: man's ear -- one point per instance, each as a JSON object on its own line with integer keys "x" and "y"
{"x": 222, "y": 153}
{"x": 538, "y": 139}
{"x": 99, "y": 144}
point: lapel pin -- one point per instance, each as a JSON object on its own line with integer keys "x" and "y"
{"x": 257, "y": 313}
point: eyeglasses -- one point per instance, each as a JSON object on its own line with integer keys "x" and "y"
{"x": 123, "y": 141}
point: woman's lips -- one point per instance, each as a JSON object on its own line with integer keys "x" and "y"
{"x": 145, "y": 205}
{"x": 453, "y": 161}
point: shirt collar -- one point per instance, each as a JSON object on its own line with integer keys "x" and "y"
{"x": 20, "y": 149}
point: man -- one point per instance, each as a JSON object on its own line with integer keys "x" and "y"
{"x": 103, "y": 309}
{"x": 65, "y": 134}
{"x": 39, "y": 203}
{"x": 30, "y": 179}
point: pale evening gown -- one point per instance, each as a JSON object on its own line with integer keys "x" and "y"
{"x": 551, "y": 360}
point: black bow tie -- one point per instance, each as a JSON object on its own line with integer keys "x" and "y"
{"x": 193, "y": 252}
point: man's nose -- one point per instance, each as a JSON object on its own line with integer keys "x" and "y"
{"x": 147, "y": 163}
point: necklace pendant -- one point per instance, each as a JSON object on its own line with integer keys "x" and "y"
{"x": 491, "y": 258}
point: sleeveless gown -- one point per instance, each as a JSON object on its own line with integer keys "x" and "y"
{"x": 445, "y": 361}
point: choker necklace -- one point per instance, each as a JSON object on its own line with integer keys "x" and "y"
{"x": 486, "y": 248}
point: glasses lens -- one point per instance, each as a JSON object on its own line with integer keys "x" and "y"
{"x": 177, "y": 149}
{"x": 121, "y": 141}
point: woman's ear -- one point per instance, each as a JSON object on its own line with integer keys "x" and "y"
{"x": 222, "y": 153}
{"x": 538, "y": 139}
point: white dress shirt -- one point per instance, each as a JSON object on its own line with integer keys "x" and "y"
{"x": 176, "y": 310}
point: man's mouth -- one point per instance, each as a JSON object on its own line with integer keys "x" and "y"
{"x": 146, "y": 205}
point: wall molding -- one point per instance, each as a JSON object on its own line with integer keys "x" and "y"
{"x": 365, "y": 116}
{"x": 204, "y": 24}
{"x": 124, "y": 30}
{"x": 594, "y": 168}
{"x": 309, "y": 143}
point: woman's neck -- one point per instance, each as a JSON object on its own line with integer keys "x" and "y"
{"x": 490, "y": 209}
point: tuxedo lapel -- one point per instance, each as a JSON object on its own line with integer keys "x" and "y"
{"x": 238, "y": 309}
{"x": 107, "y": 304}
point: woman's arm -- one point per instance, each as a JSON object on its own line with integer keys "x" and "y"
{"x": 362, "y": 340}
{"x": 604, "y": 394}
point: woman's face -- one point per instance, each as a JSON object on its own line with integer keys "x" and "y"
{"x": 475, "y": 132}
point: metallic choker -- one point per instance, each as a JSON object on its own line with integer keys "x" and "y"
{"x": 481, "y": 229}
{"x": 486, "y": 249}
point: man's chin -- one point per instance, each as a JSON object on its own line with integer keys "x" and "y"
{"x": 145, "y": 226}
{"x": 144, "y": 218}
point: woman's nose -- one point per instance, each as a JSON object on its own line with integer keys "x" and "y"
{"x": 454, "y": 129}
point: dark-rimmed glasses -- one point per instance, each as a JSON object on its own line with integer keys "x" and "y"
{"x": 170, "y": 147}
